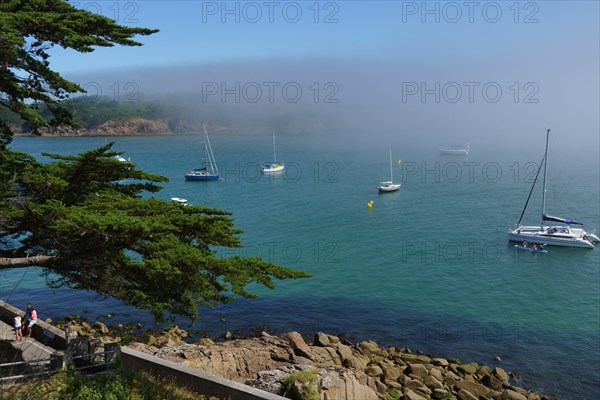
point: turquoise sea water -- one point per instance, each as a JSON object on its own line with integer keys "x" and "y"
{"x": 428, "y": 267}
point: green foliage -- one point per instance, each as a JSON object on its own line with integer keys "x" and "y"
{"x": 121, "y": 384}
{"x": 302, "y": 385}
{"x": 28, "y": 29}
{"x": 85, "y": 217}
{"x": 92, "y": 112}
{"x": 395, "y": 394}
{"x": 87, "y": 213}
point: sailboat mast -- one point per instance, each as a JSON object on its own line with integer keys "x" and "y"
{"x": 391, "y": 173}
{"x": 211, "y": 156}
{"x": 544, "y": 181}
{"x": 274, "y": 158}
{"x": 206, "y": 160}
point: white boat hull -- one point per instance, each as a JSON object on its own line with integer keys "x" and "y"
{"x": 388, "y": 187}
{"x": 269, "y": 168}
{"x": 179, "y": 200}
{"x": 456, "y": 151}
{"x": 552, "y": 236}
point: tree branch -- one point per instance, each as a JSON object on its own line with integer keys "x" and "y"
{"x": 22, "y": 262}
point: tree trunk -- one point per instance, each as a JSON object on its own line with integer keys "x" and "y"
{"x": 20, "y": 262}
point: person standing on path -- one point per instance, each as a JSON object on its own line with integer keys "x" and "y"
{"x": 30, "y": 319}
{"x": 26, "y": 319}
{"x": 33, "y": 320}
{"x": 18, "y": 327}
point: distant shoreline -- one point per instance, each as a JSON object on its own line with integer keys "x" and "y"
{"x": 131, "y": 127}
{"x": 147, "y": 127}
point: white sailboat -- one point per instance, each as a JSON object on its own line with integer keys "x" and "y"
{"x": 389, "y": 186}
{"x": 210, "y": 171}
{"x": 456, "y": 150}
{"x": 273, "y": 166}
{"x": 555, "y": 235}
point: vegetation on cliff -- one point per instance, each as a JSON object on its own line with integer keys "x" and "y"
{"x": 94, "y": 114}
{"x": 28, "y": 29}
{"x": 164, "y": 114}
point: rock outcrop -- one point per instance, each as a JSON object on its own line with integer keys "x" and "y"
{"x": 343, "y": 371}
{"x": 329, "y": 367}
{"x": 132, "y": 127}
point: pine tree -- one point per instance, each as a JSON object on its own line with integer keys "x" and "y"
{"x": 28, "y": 29}
{"x": 90, "y": 219}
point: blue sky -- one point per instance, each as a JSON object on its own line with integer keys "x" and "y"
{"x": 206, "y": 31}
{"x": 542, "y": 55}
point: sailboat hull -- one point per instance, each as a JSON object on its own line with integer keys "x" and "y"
{"x": 552, "y": 236}
{"x": 387, "y": 187}
{"x": 269, "y": 168}
{"x": 454, "y": 152}
{"x": 201, "y": 177}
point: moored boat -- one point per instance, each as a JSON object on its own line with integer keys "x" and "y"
{"x": 553, "y": 235}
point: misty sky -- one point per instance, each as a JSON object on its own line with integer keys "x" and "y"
{"x": 483, "y": 73}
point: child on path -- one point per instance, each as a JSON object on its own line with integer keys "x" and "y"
{"x": 17, "y": 325}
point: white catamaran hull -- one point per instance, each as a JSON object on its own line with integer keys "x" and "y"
{"x": 553, "y": 235}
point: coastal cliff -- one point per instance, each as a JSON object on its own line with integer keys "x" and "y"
{"x": 132, "y": 127}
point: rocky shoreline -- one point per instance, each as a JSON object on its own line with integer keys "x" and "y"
{"x": 327, "y": 367}
{"x": 132, "y": 127}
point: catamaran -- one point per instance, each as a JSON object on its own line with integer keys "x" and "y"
{"x": 210, "y": 171}
{"x": 274, "y": 166}
{"x": 389, "y": 186}
{"x": 555, "y": 235}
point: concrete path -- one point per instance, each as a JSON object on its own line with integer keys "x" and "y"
{"x": 31, "y": 348}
